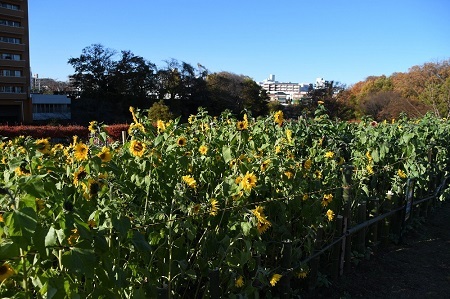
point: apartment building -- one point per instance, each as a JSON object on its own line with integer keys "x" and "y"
{"x": 15, "y": 81}
{"x": 284, "y": 92}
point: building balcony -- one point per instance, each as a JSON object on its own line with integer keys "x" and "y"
{"x": 6, "y": 63}
{"x": 6, "y": 96}
{"x": 13, "y": 13}
{"x": 12, "y": 80}
{"x": 12, "y": 30}
{"x": 12, "y": 47}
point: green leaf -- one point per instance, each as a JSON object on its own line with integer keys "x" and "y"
{"x": 81, "y": 261}
{"x": 226, "y": 153}
{"x": 139, "y": 242}
{"x": 22, "y": 225}
{"x": 246, "y": 227}
{"x": 9, "y": 250}
{"x": 51, "y": 239}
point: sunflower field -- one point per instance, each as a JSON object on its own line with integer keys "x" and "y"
{"x": 95, "y": 219}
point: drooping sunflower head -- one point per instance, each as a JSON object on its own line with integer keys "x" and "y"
{"x": 6, "y": 271}
{"x": 79, "y": 175}
{"x": 137, "y": 148}
{"x": 214, "y": 207}
{"x": 278, "y": 117}
{"x": 93, "y": 127}
{"x": 81, "y": 151}
{"x": 105, "y": 154}
{"x": 190, "y": 181}
{"x": 330, "y": 215}
{"x": 43, "y": 146}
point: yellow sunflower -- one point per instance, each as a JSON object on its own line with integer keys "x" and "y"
{"x": 105, "y": 154}
{"x": 6, "y": 271}
{"x": 275, "y": 278}
{"x": 265, "y": 165}
{"x": 239, "y": 283}
{"x": 93, "y": 126}
{"x": 81, "y": 151}
{"x": 79, "y": 175}
{"x": 43, "y": 146}
{"x": 137, "y": 148}
{"x": 249, "y": 181}
{"x": 203, "y": 149}
{"x": 401, "y": 174}
{"x": 190, "y": 181}
{"x": 330, "y": 215}
{"x": 214, "y": 209}
{"x": 327, "y": 198}
{"x": 278, "y": 117}
{"x": 182, "y": 141}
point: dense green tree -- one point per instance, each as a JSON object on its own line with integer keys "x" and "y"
{"x": 159, "y": 111}
{"x": 92, "y": 70}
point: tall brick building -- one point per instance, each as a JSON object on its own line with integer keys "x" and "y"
{"x": 15, "y": 81}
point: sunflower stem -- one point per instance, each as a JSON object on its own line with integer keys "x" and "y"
{"x": 25, "y": 272}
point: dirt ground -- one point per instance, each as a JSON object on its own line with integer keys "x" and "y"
{"x": 418, "y": 267}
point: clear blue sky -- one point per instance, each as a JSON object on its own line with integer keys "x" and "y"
{"x": 298, "y": 41}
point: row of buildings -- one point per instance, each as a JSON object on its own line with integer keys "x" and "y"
{"x": 288, "y": 92}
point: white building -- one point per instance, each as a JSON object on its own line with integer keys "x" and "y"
{"x": 46, "y": 106}
{"x": 284, "y": 92}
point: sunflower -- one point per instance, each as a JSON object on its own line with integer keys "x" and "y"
{"x": 401, "y": 174}
{"x": 369, "y": 169}
{"x": 307, "y": 164}
{"x": 330, "y": 215}
{"x": 249, "y": 181}
{"x": 203, "y": 149}
{"x": 195, "y": 209}
{"x": 214, "y": 209}
{"x": 43, "y": 145}
{"x": 160, "y": 125}
{"x": 263, "y": 224}
{"x": 91, "y": 223}
{"x": 239, "y": 283}
{"x": 93, "y": 126}
{"x": 327, "y": 198}
{"x": 288, "y": 174}
{"x": 73, "y": 238}
{"x": 40, "y": 204}
{"x": 79, "y": 175}
{"x": 190, "y": 181}
{"x": 242, "y": 125}
{"x": 275, "y": 278}
{"x": 137, "y": 148}
{"x": 135, "y": 127}
{"x": 289, "y": 135}
{"x": 81, "y": 151}
{"x": 278, "y": 117}
{"x": 93, "y": 187}
{"x": 181, "y": 141}
{"x": 265, "y": 165}
{"x": 5, "y": 272}
{"x": 105, "y": 154}
{"x": 329, "y": 155}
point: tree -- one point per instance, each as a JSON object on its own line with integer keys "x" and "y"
{"x": 236, "y": 92}
{"x": 159, "y": 111}
{"x": 92, "y": 70}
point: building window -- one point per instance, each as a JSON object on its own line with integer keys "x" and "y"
{"x": 9, "y": 23}
{"x": 10, "y": 73}
{"x": 11, "y": 89}
{"x": 10, "y": 56}
{"x": 11, "y": 40}
{"x": 10, "y": 6}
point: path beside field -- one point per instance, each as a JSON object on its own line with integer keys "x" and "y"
{"x": 419, "y": 267}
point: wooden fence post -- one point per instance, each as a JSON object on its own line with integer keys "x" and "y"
{"x": 314, "y": 266}
{"x": 285, "y": 284}
{"x": 374, "y": 205}
{"x": 336, "y": 251}
{"x": 361, "y": 235}
{"x": 347, "y": 244}
{"x": 214, "y": 284}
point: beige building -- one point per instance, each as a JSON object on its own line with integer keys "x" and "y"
{"x": 15, "y": 81}
{"x": 284, "y": 92}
